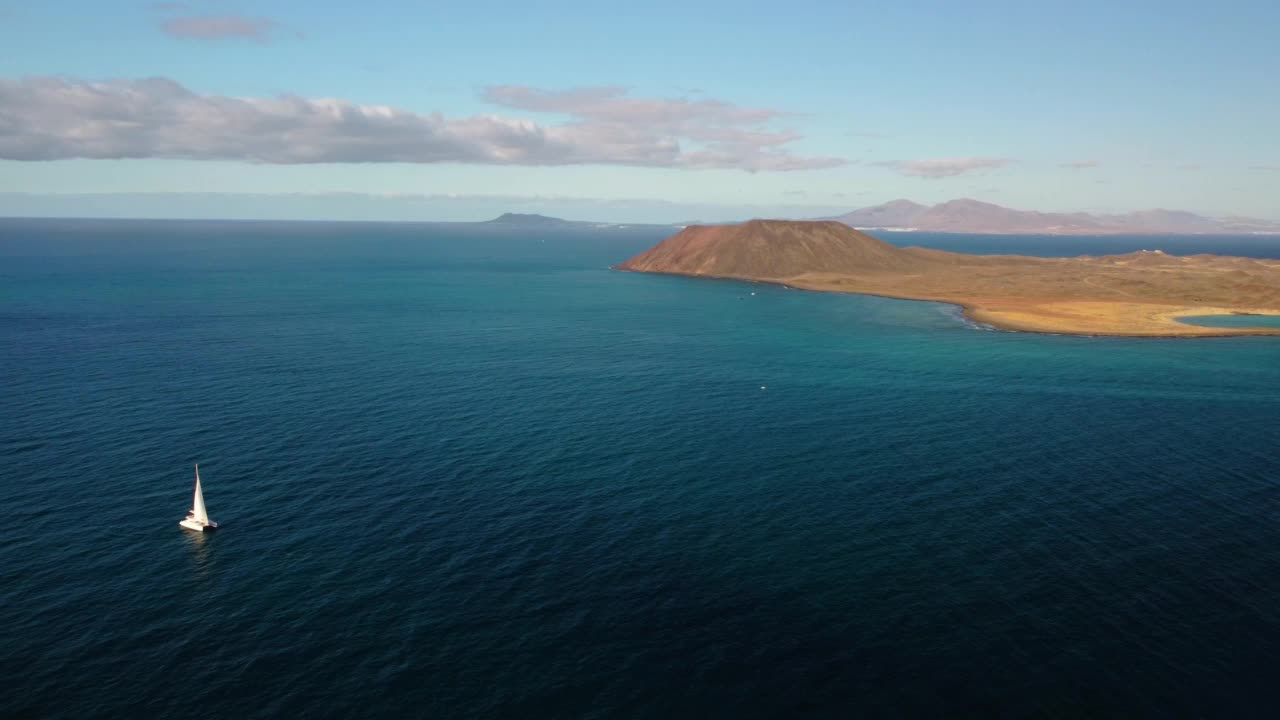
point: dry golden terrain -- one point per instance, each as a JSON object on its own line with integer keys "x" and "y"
{"x": 1140, "y": 293}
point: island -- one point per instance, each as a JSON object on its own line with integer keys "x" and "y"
{"x": 1136, "y": 294}
{"x": 529, "y": 220}
{"x": 534, "y": 222}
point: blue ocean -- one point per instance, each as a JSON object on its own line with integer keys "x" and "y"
{"x": 468, "y": 471}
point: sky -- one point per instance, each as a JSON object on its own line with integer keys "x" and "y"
{"x": 640, "y": 112}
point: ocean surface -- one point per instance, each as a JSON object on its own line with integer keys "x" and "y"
{"x": 468, "y": 471}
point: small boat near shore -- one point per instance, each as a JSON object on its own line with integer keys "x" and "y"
{"x": 198, "y": 518}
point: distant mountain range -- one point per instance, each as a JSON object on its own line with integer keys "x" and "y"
{"x": 973, "y": 216}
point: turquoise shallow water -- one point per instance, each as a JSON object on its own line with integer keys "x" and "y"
{"x": 1233, "y": 321}
{"x": 467, "y": 472}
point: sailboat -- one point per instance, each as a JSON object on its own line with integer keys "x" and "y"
{"x": 198, "y": 518}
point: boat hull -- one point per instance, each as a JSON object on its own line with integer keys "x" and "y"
{"x": 198, "y": 527}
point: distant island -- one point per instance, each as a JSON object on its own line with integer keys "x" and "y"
{"x": 973, "y": 216}
{"x": 533, "y": 221}
{"x": 530, "y": 219}
{"x": 1137, "y": 294}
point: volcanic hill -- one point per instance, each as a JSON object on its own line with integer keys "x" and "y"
{"x": 1138, "y": 293}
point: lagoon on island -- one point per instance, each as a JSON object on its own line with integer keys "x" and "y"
{"x": 1237, "y": 320}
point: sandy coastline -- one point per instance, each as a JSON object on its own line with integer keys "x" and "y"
{"x": 1062, "y": 317}
{"x": 1116, "y": 319}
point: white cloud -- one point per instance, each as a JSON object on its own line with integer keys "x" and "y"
{"x": 944, "y": 167}
{"x": 47, "y": 118}
{"x": 1080, "y": 164}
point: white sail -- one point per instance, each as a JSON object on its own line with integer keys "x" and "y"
{"x": 197, "y": 508}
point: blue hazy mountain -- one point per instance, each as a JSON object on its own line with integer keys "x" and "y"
{"x": 973, "y": 216}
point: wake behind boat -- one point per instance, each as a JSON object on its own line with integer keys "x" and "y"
{"x": 198, "y": 518}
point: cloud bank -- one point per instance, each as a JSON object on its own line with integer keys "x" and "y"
{"x": 944, "y": 167}
{"x": 50, "y": 118}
